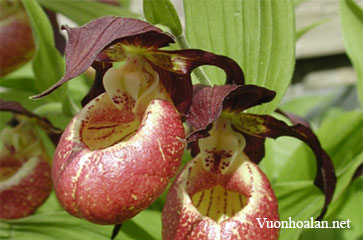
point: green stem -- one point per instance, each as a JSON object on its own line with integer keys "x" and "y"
{"x": 199, "y": 73}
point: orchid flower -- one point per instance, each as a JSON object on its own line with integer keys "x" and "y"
{"x": 221, "y": 193}
{"x": 25, "y": 170}
{"x": 120, "y": 151}
{"x": 17, "y": 44}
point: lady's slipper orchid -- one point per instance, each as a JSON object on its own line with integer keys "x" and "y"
{"x": 25, "y": 172}
{"x": 120, "y": 151}
{"x": 221, "y": 193}
{"x": 17, "y": 45}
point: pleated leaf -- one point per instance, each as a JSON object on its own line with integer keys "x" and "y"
{"x": 82, "y": 11}
{"x": 258, "y": 34}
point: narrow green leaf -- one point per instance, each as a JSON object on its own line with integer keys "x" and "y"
{"x": 50, "y": 224}
{"x": 350, "y": 208}
{"x": 299, "y": 200}
{"x": 343, "y": 144}
{"x": 351, "y": 16}
{"x": 258, "y": 35}
{"x": 83, "y": 11}
{"x": 20, "y": 83}
{"x": 48, "y": 65}
{"x": 291, "y": 167}
{"x": 162, "y": 12}
{"x": 305, "y": 104}
{"x": 55, "y": 225}
{"x": 137, "y": 228}
{"x": 21, "y": 96}
{"x": 124, "y": 3}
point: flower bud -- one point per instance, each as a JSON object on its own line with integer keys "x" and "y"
{"x": 25, "y": 172}
{"x": 17, "y": 45}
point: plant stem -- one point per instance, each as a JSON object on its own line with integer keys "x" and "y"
{"x": 199, "y": 73}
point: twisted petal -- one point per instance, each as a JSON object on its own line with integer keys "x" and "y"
{"x": 86, "y": 42}
{"x": 266, "y": 126}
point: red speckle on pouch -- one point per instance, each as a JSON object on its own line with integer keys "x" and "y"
{"x": 115, "y": 183}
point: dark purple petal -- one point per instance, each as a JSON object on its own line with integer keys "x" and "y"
{"x": 358, "y": 172}
{"x": 255, "y": 148}
{"x": 208, "y": 102}
{"x": 179, "y": 87}
{"x": 295, "y": 119}
{"x": 175, "y": 67}
{"x": 185, "y": 61}
{"x": 266, "y": 126}
{"x": 97, "y": 86}
{"x": 60, "y": 41}
{"x": 193, "y": 148}
{"x": 14, "y": 107}
{"x": 86, "y": 42}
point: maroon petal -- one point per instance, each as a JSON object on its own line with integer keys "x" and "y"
{"x": 86, "y": 42}
{"x": 266, "y": 126}
{"x": 255, "y": 148}
{"x": 60, "y": 41}
{"x": 208, "y": 102}
{"x": 179, "y": 87}
{"x": 97, "y": 86}
{"x": 185, "y": 61}
{"x": 358, "y": 172}
{"x": 14, "y": 107}
{"x": 295, "y": 119}
{"x": 174, "y": 68}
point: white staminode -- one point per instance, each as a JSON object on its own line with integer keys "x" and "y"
{"x": 223, "y": 140}
{"x": 135, "y": 77}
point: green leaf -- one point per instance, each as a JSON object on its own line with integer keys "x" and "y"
{"x": 54, "y": 225}
{"x": 351, "y": 209}
{"x": 50, "y": 222}
{"x": 351, "y": 16}
{"x": 258, "y": 35}
{"x": 162, "y": 12}
{"x": 146, "y": 225}
{"x": 124, "y": 3}
{"x": 290, "y": 166}
{"x": 299, "y": 200}
{"x": 22, "y": 97}
{"x": 48, "y": 65}
{"x": 20, "y": 83}
{"x": 305, "y": 104}
{"x": 344, "y": 145}
{"x": 83, "y": 11}
{"x": 278, "y": 152}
